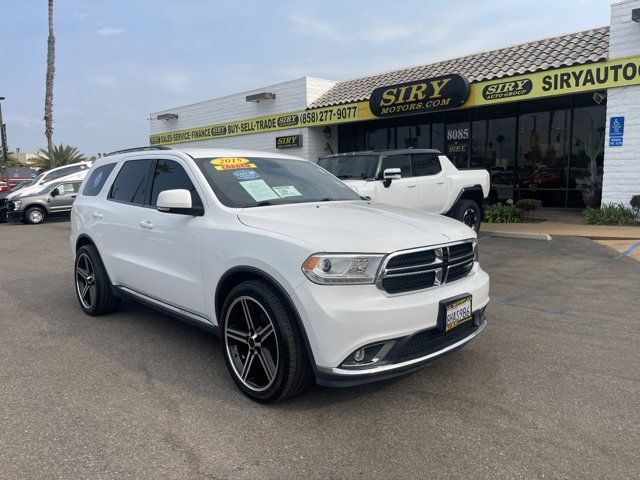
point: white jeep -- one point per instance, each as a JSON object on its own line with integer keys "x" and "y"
{"x": 300, "y": 276}
{"x": 414, "y": 178}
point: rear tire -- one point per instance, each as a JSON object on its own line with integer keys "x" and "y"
{"x": 263, "y": 348}
{"x": 93, "y": 287}
{"x": 34, "y": 215}
{"x": 468, "y": 212}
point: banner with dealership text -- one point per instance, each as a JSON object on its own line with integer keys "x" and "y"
{"x": 284, "y": 121}
{"x": 561, "y": 81}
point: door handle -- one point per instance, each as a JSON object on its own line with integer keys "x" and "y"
{"x": 97, "y": 215}
{"x": 146, "y": 224}
{"x": 439, "y": 182}
{"x": 411, "y": 186}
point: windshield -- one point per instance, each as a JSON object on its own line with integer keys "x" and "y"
{"x": 254, "y": 182}
{"x": 356, "y": 167}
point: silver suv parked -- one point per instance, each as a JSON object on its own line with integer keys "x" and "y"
{"x": 55, "y": 200}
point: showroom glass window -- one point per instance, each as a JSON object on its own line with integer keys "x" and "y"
{"x": 493, "y": 147}
{"x": 587, "y": 147}
{"x": 458, "y": 137}
{"x": 543, "y": 150}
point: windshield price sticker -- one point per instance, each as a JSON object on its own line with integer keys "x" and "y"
{"x": 259, "y": 190}
{"x": 287, "y": 191}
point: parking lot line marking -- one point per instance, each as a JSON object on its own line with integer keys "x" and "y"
{"x": 629, "y": 250}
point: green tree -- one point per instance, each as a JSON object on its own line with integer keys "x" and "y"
{"x": 62, "y": 155}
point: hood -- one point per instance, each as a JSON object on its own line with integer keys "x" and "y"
{"x": 356, "y": 226}
{"x": 357, "y": 185}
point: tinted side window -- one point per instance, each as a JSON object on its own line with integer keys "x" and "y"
{"x": 403, "y": 162}
{"x": 170, "y": 175}
{"x": 130, "y": 186}
{"x": 97, "y": 180}
{"x": 425, "y": 164}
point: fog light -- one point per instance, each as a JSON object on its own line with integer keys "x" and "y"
{"x": 358, "y": 355}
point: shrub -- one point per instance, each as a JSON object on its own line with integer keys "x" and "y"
{"x": 499, "y": 213}
{"x": 635, "y": 203}
{"x": 528, "y": 204}
{"x": 612, "y": 214}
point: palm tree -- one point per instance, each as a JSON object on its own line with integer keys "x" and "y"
{"x": 48, "y": 98}
{"x": 62, "y": 155}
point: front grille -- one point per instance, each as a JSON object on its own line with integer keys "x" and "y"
{"x": 3, "y": 201}
{"x": 416, "y": 270}
{"x": 429, "y": 341}
{"x": 10, "y": 206}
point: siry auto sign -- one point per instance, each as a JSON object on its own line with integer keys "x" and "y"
{"x": 289, "y": 141}
{"x": 507, "y": 89}
{"x": 419, "y": 96}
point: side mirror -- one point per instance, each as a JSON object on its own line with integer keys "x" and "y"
{"x": 177, "y": 201}
{"x": 391, "y": 174}
{"x": 55, "y": 192}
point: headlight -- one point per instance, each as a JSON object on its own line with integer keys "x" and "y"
{"x": 342, "y": 269}
{"x": 17, "y": 204}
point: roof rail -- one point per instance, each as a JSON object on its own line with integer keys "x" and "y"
{"x": 138, "y": 149}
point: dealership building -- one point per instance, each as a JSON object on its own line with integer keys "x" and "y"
{"x": 547, "y": 118}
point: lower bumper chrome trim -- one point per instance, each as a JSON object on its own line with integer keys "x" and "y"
{"x": 390, "y": 368}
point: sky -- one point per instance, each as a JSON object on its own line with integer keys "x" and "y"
{"x": 117, "y": 61}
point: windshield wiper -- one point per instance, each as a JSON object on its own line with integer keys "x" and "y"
{"x": 328, "y": 199}
{"x": 345, "y": 177}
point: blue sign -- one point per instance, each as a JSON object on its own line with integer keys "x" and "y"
{"x": 616, "y": 131}
{"x": 245, "y": 174}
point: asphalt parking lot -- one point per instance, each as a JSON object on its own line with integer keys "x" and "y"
{"x": 551, "y": 389}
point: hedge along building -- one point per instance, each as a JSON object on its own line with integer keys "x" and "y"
{"x": 544, "y": 117}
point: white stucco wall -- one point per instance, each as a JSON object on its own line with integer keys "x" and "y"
{"x": 290, "y": 96}
{"x": 622, "y": 164}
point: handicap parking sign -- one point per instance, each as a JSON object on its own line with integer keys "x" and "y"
{"x": 616, "y": 131}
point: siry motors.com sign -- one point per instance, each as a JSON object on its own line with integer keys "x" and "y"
{"x": 419, "y": 96}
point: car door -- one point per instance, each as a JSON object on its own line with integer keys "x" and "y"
{"x": 431, "y": 182}
{"x": 118, "y": 221}
{"x": 66, "y": 194}
{"x": 170, "y": 257}
{"x": 401, "y": 192}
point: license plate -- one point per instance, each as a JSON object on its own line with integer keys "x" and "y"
{"x": 457, "y": 312}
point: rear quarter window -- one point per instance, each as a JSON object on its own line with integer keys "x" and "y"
{"x": 97, "y": 179}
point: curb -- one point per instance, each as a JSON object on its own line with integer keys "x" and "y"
{"x": 545, "y": 237}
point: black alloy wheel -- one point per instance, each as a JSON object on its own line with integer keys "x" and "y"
{"x": 264, "y": 350}
{"x": 93, "y": 287}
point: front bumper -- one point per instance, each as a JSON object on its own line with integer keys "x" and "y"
{"x": 343, "y": 377}
{"x": 338, "y": 320}
{"x": 14, "y": 215}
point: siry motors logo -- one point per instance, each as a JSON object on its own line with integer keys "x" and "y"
{"x": 508, "y": 89}
{"x": 419, "y": 96}
{"x": 288, "y": 120}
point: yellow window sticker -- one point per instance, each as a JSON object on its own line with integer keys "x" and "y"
{"x": 231, "y": 163}
{"x": 259, "y": 190}
{"x": 287, "y": 191}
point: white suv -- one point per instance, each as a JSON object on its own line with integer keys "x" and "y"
{"x": 299, "y": 276}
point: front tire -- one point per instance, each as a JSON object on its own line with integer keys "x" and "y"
{"x": 468, "y": 212}
{"x": 263, "y": 349}
{"x": 93, "y": 287}
{"x": 34, "y": 215}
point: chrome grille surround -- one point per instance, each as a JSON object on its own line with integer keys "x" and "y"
{"x": 450, "y": 262}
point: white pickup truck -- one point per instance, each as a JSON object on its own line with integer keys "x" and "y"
{"x": 414, "y": 178}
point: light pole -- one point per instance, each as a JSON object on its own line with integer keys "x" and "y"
{"x": 5, "y": 147}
